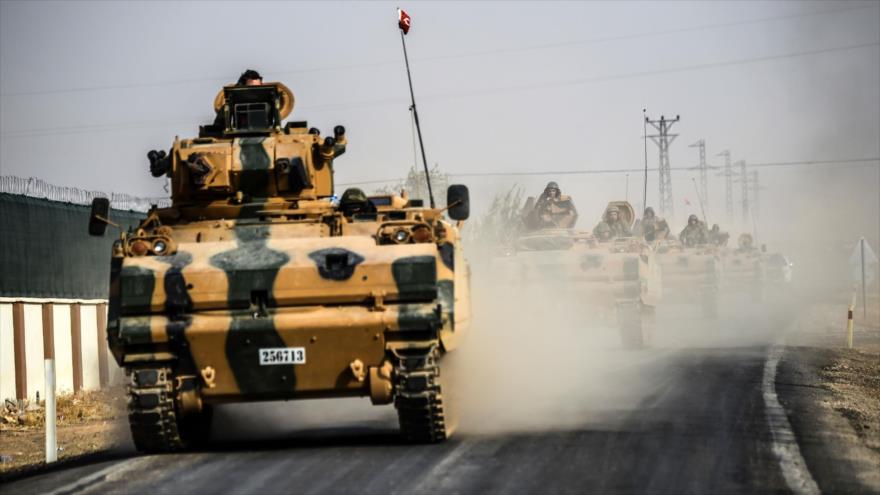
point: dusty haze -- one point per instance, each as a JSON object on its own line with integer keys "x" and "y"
{"x": 87, "y": 88}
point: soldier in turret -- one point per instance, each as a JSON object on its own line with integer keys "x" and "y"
{"x": 160, "y": 161}
{"x": 717, "y": 237}
{"x": 652, "y": 227}
{"x": 555, "y": 210}
{"x": 354, "y": 201}
{"x": 746, "y": 243}
{"x": 694, "y": 233}
{"x": 611, "y": 226}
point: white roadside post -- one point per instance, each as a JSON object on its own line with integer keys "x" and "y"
{"x": 849, "y": 322}
{"x": 863, "y": 263}
{"x": 51, "y": 443}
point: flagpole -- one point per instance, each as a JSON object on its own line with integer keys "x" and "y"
{"x": 645, "y": 137}
{"x": 700, "y": 198}
{"x": 416, "y": 117}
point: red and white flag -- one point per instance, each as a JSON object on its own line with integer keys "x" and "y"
{"x": 403, "y": 21}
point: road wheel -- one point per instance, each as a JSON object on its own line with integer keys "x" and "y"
{"x": 156, "y": 423}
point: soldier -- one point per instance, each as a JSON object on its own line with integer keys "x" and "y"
{"x": 695, "y": 233}
{"x": 553, "y": 209}
{"x": 746, "y": 243}
{"x": 717, "y": 237}
{"x": 611, "y": 227}
{"x": 652, "y": 227}
{"x": 249, "y": 77}
{"x": 160, "y": 161}
{"x": 353, "y": 201}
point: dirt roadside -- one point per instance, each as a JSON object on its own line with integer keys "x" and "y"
{"x": 88, "y": 423}
{"x": 832, "y": 395}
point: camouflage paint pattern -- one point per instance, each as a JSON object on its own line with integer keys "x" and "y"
{"x": 256, "y": 256}
{"x": 602, "y": 274}
{"x": 688, "y": 272}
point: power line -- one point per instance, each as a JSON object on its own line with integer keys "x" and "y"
{"x": 476, "y": 53}
{"x": 704, "y": 168}
{"x": 663, "y": 139}
{"x": 728, "y": 184}
{"x": 84, "y": 129}
{"x": 847, "y": 161}
{"x": 672, "y": 70}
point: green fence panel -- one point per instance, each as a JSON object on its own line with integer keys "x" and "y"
{"x": 46, "y": 251}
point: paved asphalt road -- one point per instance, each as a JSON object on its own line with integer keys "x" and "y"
{"x": 700, "y": 427}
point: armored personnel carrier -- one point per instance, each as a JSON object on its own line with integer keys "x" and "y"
{"x": 618, "y": 278}
{"x": 255, "y": 285}
{"x": 691, "y": 275}
{"x": 745, "y": 270}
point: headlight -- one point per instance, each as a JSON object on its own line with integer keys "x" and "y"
{"x": 401, "y": 236}
{"x": 159, "y": 247}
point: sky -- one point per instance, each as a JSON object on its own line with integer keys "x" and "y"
{"x": 87, "y": 88}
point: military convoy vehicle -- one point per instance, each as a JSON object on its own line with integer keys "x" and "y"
{"x": 779, "y": 270}
{"x": 690, "y": 275}
{"x": 255, "y": 285}
{"x": 744, "y": 269}
{"x": 619, "y": 277}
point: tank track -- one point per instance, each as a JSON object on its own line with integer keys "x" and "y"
{"x": 151, "y": 412}
{"x": 418, "y": 399}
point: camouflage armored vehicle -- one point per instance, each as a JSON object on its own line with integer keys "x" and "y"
{"x": 778, "y": 270}
{"x": 690, "y": 275}
{"x": 256, "y": 285}
{"x": 617, "y": 279}
{"x": 744, "y": 269}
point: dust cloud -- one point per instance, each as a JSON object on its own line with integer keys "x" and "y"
{"x": 537, "y": 360}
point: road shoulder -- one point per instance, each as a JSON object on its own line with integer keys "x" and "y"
{"x": 823, "y": 405}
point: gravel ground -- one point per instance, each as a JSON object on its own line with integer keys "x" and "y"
{"x": 88, "y": 422}
{"x": 852, "y": 376}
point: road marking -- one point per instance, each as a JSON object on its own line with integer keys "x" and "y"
{"x": 791, "y": 462}
{"x": 108, "y": 473}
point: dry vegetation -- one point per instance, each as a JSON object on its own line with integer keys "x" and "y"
{"x": 88, "y": 422}
{"x": 853, "y": 377}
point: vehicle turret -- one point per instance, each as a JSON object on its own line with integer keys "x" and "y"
{"x": 249, "y": 155}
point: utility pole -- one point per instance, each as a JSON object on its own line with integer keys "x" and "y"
{"x": 663, "y": 139}
{"x": 754, "y": 181}
{"x": 744, "y": 187}
{"x": 728, "y": 184}
{"x": 704, "y": 169}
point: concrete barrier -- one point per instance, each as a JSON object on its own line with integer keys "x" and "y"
{"x": 70, "y": 331}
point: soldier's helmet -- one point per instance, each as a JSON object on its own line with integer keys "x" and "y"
{"x": 610, "y": 210}
{"x": 354, "y": 200}
{"x": 649, "y": 212}
{"x": 692, "y": 220}
{"x": 715, "y": 227}
{"x": 552, "y": 186}
{"x": 248, "y": 75}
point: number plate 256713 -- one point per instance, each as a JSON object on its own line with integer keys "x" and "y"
{"x": 282, "y": 355}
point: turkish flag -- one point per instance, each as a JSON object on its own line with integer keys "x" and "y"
{"x": 403, "y": 21}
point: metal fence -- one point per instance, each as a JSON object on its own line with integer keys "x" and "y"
{"x": 38, "y": 188}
